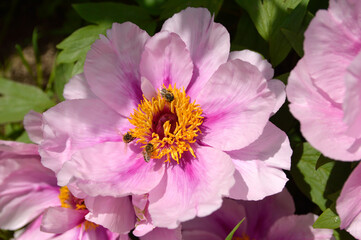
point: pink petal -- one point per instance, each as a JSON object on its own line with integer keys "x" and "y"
{"x": 112, "y": 67}
{"x": 261, "y": 215}
{"x": 349, "y": 203}
{"x": 298, "y": 227}
{"x": 221, "y": 222}
{"x": 321, "y": 121}
{"x": 102, "y": 233}
{"x": 272, "y": 147}
{"x": 236, "y": 104}
{"x": 144, "y": 221}
{"x": 329, "y": 49}
{"x": 78, "y": 88}
{"x": 119, "y": 173}
{"x": 251, "y": 177}
{"x": 352, "y": 101}
{"x": 26, "y": 190}
{"x": 256, "y": 60}
{"x": 354, "y": 227}
{"x": 164, "y": 234}
{"x": 23, "y": 208}
{"x": 271, "y": 153}
{"x": 193, "y": 188}
{"x": 166, "y": 60}
{"x": 207, "y": 42}
{"x": 278, "y": 88}
{"x": 76, "y": 124}
{"x": 12, "y": 149}
{"x": 200, "y": 235}
{"x": 33, "y": 123}
{"x": 347, "y": 12}
{"x": 59, "y": 219}
{"x": 116, "y": 214}
{"x": 147, "y": 88}
{"x": 33, "y": 232}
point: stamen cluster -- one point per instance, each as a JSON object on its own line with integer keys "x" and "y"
{"x": 180, "y": 128}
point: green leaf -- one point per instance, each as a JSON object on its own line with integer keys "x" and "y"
{"x": 18, "y": 99}
{"x": 109, "y": 12}
{"x": 230, "y": 235}
{"x": 247, "y": 36}
{"x": 171, "y": 7}
{"x": 279, "y": 44}
{"x": 322, "y": 160}
{"x": 63, "y": 72}
{"x": 296, "y": 37}
{"x": 152, "y": 6}
{"x": 76, "y": 46}
{"x": 24, "y": 137}
{"x": 318, "y": 184}
{"x": 328, "y": 219}
{"x": 342, "y": 235}
{"x": 283, "y": 77}
{"x": 268, "y": 15}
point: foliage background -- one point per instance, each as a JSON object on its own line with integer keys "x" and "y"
{"x": 44, "y": 43}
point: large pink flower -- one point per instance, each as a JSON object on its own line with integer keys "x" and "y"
{"x": 325, "y": 87}
{"x": 174, "y": 116}
{"x": 349, "y": 204}
{"x": 269, "y": 219}
{"x": 28, "y": 191}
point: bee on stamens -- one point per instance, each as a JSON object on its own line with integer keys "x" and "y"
{"x": 127, "y": 138}
{"x": 167, "y": 95}
{"x": 147, "y": 153}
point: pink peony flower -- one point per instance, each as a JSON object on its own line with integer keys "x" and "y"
{"x": 269, "y": 219}
{"x": 174, "y": 116}
{"x": 349, "y": 204}
{"x": 325, "y": 87}
{"x": 28, "y": 192}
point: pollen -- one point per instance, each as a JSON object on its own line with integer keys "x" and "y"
{"x": 171, "y": 127}
{"x": 67, "y": 200}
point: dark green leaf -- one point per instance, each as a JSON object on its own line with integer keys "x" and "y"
{"x": 342, "y": 235}
{"x": 171, "y": 7}
{"x": 109, "y": 12}
{"x": 296, "y": 37}
{"x": 268, "y": 15}
{"x": 279, "y": 45}
{"x": 283, "y": 77}
{"x": 247, "y": 36}
{"x": 322, "y": 160}
{"x": 152, "y": 6}
{"x": 230, "y": 235}
{"x": 6, "y": 234}
{"x": 319, "y": 185}
{"x": 328, "y": 219}
{"x": 18, "y": 99}
{"x": 312, "y": 182}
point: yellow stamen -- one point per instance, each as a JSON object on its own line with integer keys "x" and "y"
{"x": 64, "y": 197}
{"x": 244, "y": 237}
{"x": 177, "y": 141}
{"x": 67, "y": 200}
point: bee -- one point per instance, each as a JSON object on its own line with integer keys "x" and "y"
{"x": 127, "y": 138}
{"x": 148, "y": 152}
{"x": 167, "y": 95}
